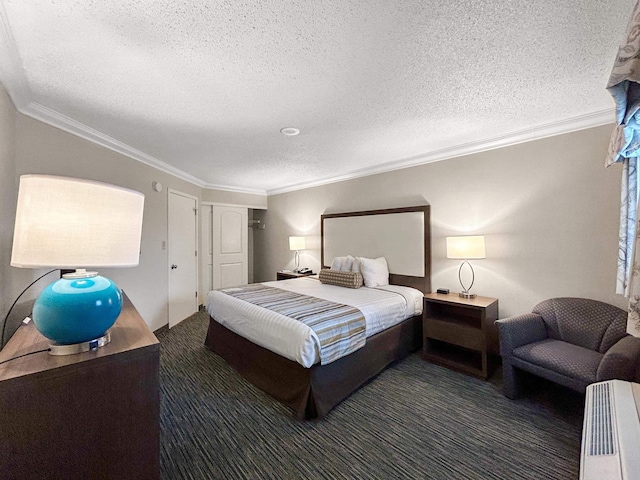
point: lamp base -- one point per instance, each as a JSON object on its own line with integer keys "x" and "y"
{"x": 75, "y": 310}
{"x": 59, "y": 349}
{"x": 465, "y": 290}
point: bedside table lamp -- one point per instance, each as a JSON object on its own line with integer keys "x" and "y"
{"x": 297, "y": 244}
{"x": 69, "y": 223}
{"x": 466, "y": 248}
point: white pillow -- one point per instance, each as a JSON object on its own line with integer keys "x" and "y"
{"x": 347, "y": 264}
{"x": 375, "y": 272}
{"x": 337, "y": 262}
{"x": 356, "y": 265}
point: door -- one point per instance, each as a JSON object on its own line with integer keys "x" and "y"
{"x": 229, "y": 227}
{"x": 183, "y": 266}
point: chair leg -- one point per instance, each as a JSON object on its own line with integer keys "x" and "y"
{"x": 510, "y": 376}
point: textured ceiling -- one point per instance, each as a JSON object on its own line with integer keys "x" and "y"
{"x": 201, "y": 89}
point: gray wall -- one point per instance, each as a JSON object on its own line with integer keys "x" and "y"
{"x": 30, "y": 146}
{"x": 43, "y": 149}
{"x": 548, "y": 209}
{"x": 10, "y": 278}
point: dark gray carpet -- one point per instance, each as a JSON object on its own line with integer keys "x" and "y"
{"x": 414, "y": 420}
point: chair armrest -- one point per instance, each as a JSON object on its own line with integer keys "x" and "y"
{"x": 621, "y": 361}
{"x": 520, "y": 330}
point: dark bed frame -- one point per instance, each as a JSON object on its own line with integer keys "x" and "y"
{"x": 313, "y": 392}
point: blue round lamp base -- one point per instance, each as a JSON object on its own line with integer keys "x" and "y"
{"x": 76, "y": 310}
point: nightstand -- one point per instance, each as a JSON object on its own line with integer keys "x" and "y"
{"x": 288, "y": 275}
{"x": 89, "y": 415}
{"x": 460, "y": 333}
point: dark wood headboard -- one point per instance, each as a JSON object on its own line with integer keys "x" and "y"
{"x": 405, "y": 240}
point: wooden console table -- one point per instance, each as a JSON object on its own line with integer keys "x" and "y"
{"x": 86, "y": 416}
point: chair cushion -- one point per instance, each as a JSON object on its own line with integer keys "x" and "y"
{"x": 562, "y": 357}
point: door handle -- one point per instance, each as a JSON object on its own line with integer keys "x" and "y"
{"x": 174, "y": 266}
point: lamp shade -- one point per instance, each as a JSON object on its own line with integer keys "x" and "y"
{"x": 67, "y": 222}
{"x": 466, "y": 247}
{"x": 297, "y": 243}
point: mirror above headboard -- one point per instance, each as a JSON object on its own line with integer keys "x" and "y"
{"x": 401, "y": 235}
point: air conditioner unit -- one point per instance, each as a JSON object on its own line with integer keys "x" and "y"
{"x": 611, "y": 432}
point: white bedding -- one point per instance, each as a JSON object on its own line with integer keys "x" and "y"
{"x": 382, "y": 308}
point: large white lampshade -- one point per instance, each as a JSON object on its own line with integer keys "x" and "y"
{"x": 297, "y": 243}
{"x": 466, "y": 248}
{"x": 70, "y": 223}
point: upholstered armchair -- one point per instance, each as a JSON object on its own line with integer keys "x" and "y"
{"x": 570, "y": 341}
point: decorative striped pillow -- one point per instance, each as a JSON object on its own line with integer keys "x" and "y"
{"x": 340, "y": 278}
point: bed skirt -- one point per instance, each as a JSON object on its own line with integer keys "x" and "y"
{"x": 313, "y": 392}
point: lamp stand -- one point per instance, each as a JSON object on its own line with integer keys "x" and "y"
{"x": 465, "y": 290}
{"x": 297, "y": 257}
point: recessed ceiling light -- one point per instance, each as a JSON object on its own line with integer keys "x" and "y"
{"x": 289, "y": 131}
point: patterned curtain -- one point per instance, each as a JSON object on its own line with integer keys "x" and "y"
{"x": 624, "y": 147}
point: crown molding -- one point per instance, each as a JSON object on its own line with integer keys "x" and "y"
{"x": 228, "y": 188}
{"x": 58, "y": 120}
{"x": 54, "y": 118}
{"x": 581, "y": 122}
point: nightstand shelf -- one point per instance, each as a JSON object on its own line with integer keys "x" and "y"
{"x": 455, "y": 357}
{"x": 459, "y": 333}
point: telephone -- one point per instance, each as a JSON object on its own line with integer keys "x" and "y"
{"x": 305, "y": 270}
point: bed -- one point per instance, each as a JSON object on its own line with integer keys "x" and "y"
{"x": 402, "y": 236}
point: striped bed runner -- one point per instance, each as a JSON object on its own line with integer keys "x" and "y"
{"x": 341, "y": 329}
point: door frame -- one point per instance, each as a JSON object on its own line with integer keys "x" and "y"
{"x": 197, "y": 242}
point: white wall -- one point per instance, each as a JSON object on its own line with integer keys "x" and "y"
{"x": 548, "y": 209}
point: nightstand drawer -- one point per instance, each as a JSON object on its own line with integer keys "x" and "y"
{"x": 456, "y": 334}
